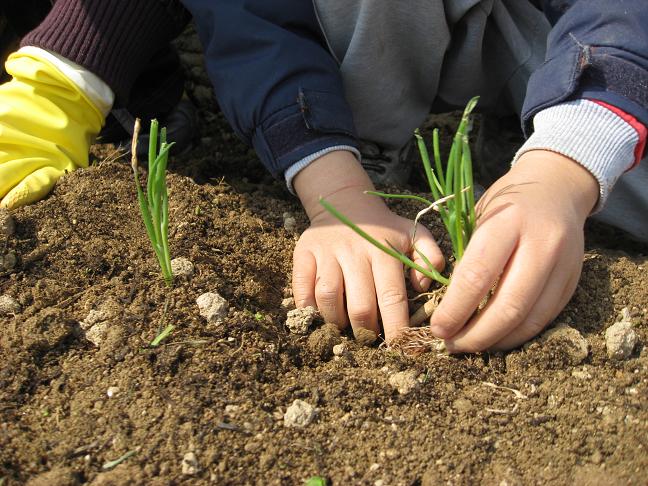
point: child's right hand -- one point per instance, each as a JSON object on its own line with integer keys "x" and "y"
{"x": 334, "y": 269}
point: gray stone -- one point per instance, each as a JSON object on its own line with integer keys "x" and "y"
{"x": 7, "y": 223}
{"x": 8, "y": 305}
{"x": 620, "y": 340}
{"x": 299, "y": 414}
{"x": 213, "y": 307}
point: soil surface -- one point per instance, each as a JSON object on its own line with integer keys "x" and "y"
{"x": 80, "y": 385}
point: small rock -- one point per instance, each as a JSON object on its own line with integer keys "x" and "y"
{"x": 571, "y": 342}
{"x": 374, "y": 467}
{"x": 7, "y": 223}
{"x": 97, "y": 333}
{"x": 404, "y": 381}
{"x": 189, "y": 464}
{"x": 289, "y": 222}
{"x": 95, "y": 316}
{"x": 462, "y": 405}
{"x": 182, "y": 267}
{"x": 288, "y": 303}
{"x": 8, "y": 305}
{"x": 212, "y": 307}
{"x": 322, "y": 341}
{"x": 620, "y": 340}
{"x": 299, "y": 414}
{"x": 340, "y": 349}
{"x": 299, "y": 320}
{"x": 112, "y": 391}
{"x": 8, "y": 261}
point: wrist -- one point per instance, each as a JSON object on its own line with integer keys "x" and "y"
{"x": 336, "y": 176}
{"x": 565, "y": 175}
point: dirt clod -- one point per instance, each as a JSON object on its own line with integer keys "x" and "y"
{"x": 299, "y": 320}
{"x": 322, "y": 341}
{"x": 567, "y": 341}
{"x": 8, "y": 261}
{"x": 212, "y": 307}
{"x": 405, "y": 381}
{"x": 299, "y": 414}
{"x": 620, "y": 340}
{"x": 190, "y": 464}
{"x": 7, "y": 223}
{"x": 8, "y": 305}
{"x": 182, "y": 267}
{"x": 364, "y": 336}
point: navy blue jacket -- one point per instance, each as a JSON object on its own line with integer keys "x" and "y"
{"x": 282, "y": 92}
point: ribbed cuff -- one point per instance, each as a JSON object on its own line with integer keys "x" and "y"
{"x": 590, "y": 134}
{"x": 294, "y": 169}
{"x": 113, "y": 40}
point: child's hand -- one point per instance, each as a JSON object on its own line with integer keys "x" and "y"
{"x": 530, "y": 236}
{"x": 340, "y": 273}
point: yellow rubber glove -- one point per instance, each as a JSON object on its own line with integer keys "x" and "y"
{"x": 46, "y": 127}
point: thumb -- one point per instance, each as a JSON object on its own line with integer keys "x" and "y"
{"x": 426, "y": 245}
{"x": 32, "y": 188}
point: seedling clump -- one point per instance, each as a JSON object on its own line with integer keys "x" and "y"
{"x": 453, "y": 197}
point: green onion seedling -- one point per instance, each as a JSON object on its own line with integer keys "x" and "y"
{"x": 154, "y": 206}
{"x": 452, "y": 192}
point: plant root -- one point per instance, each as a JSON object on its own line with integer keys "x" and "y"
{"x": 415, "y": 341}
{"x": 425, "y": 311}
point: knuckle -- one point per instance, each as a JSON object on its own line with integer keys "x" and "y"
{"x": 360, "y": 314}
{"x": 326, "y": 293}
{"x": 513, "y": 311}
{"x": 475, "y": 277}
{"x": 392, "y": 297}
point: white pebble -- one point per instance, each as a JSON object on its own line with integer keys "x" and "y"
{"x": 97, "y": 333}
{"x": 212, "y": 307}
{"x": 340, "y": 349}
{"x": 405, "y": 381}
{"x": 182, "y": 267}
{"x": 620, "y": 340}
{"x": 299, "y": 320}
{"x": 112, "y": 391}
{"x": 289, "y": 222}
{"x": 8, "y": 305}
{"x": 189, "y": 464}
{"x": 299, "y": 414}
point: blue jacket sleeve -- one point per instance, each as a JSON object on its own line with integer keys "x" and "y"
{"x": 274, "y": 79}
{"x": 597, "y": 49}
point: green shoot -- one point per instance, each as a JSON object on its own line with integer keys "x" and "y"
{"x": 166, "y": 332}
{"x": 452, "y": 192}
{"x": 118, "y": 461}
{"x": 154, "y": 206}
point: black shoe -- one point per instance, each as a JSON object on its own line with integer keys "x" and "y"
{"x": 181, "y": 125}
{"x": 498, "y": 139}
{"x": 387, "y": 167}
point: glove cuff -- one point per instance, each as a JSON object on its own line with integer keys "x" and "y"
{"x": 113, "y": 40}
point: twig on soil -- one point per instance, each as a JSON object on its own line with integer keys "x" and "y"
{"x": 232, "y": 427}
{"x": 502, "y": 411}
{"x": 119, "y": 460}
{"x": 518, "y": 394}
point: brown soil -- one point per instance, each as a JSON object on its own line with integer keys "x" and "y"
{"x": 220, "y": 391}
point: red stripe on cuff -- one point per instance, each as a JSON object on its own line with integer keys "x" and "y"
{"x": 639, "y": 127}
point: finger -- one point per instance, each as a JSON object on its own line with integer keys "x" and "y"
{"x": 329, "y": 292}
{"x": 517, "y": 292}
{"x": 472, "y": 279}
{"x": 392, "y": 296}
{"x": 360, "y": 295}
{"x": 32, "y": 188}
{"x": 555, "y": 297}
{"x": 426, "y": 245}
{"x": 303, "y": 278}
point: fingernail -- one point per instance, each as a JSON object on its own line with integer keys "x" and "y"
{"x": 425, "y": 282}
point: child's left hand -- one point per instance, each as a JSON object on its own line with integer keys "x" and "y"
{"x": 530, "y": 237}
